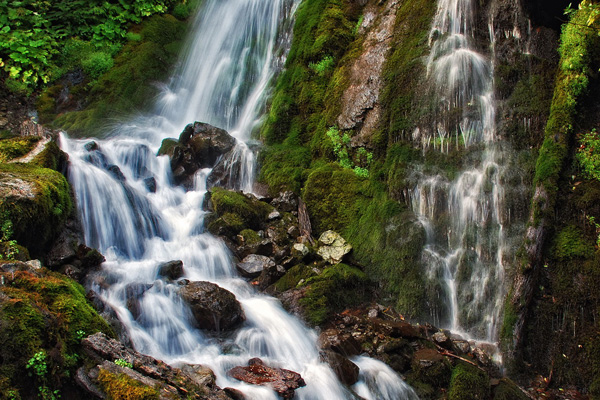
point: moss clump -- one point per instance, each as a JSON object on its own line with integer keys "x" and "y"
{"x": 468, "y": 383}
{"x": 128, "y": 85}
{"x": 17, "y": 147}
{"x": 336, "y": 288}
{"x": 36, "y": 200}
{"x": 42, "y": 310}
{"x": 240, "y": 210}
{"x": 508, "y": 390}
{"x": 571, "y": 243}
{"x": 250, "y": 237}
{"x": 285, "y": 167}
{"x": 296, "y": 276}
{"x": 167, "y": 146}
{"x": 122, "y": 387}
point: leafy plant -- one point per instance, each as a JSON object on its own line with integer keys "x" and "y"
{"x": 123, "y": 363}
{"x": 39, "y": 366}
{"x": 588, "y": 154}
{"x": 341, "y": 147}
{"x": 323, "y": 66}
{"x": 10, "y": 249}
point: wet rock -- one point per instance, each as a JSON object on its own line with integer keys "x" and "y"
{"x": 396, "y": 329}
{"x": 340, "y": 342}
{"x": 133, "y": 294}
{"x": 286, "y": 202}
{"x": 200, "y": 374}
{"x": 462, "y": 346}
{"x": 283, "y": 381}
{"x": 264, "y": 247}
{"x": 213, "y": 307}
{"x": 345, "y": 370}
{"x": 252, "y": 265}
{"x": 91, "y": 146}
{"x": 333, "y": 247}
{"x": 270, "y": 275}
{"x": 150, "y": 184}
{"x": 109, "y": 314}
{"x": 116, "y": 172}
{"x": 442, "y": 339}
{"x": 172, "y": 270}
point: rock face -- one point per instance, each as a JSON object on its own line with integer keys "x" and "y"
{"x": 360, "y": 102}
{"x": 200, "y": 145}
{"x": 283, "y": 381}
{"x": 333, "y": 247}
{"x": 345, "y": 370}
{"x": 144, "y": 375}
{"x": 213, "y": 307}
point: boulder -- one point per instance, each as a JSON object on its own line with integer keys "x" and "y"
{"x": 345, "y": 370}
{"x": 133, "y": 294}
{"x": 283, "y": 381}
{"x": 252, "y": 265}
{"x": 213, "y": 307}
{"x": 270, "y": 275}
{"x": 172, "y": 270}
{"x": 340, "y": 342}
{"x": 150, "y": 184}
{"x": 286, "y": 202}
{"x": 333, "y": 247}
{"x": 442, "y": 339}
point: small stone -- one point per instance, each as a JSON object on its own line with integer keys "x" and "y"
{"x": 373, "y": 313}
{"x": 333, "y": 247}
{"x": 300, "y": 250}
{"x": 273, "y": 215}
{"x": 252, "y": 265}
{"x": 34, "y": 264}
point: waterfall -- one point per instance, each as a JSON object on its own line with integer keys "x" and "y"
{"x": 464, "y": 217}
{"x": 236, "y": 47}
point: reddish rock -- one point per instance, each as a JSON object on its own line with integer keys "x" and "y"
{"x": 283, "y": 381}
{"x": 396, "y": 329}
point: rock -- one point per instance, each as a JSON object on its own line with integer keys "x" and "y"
{"x": 150, "y": 184}
{"x": 200, "y": 374}
{"x": 340, "y": 342}
{"x": 172, "y": 270}
{"x": 396, "y": 329}
{"x": 264, "y": 247}
{"x": 442, "y": 339}
{"x": 462, "y": 346}
{"x": 286, "y": 202}
{"x": 283, "y": 381}
{"x": 213, "y": 307}
{"x": 270, "y": 275}
{"x": 300, "y": 250}
{"x": 109, "y": 314}
{"x": 373, "y": 313}
{"x": 133, "y": 293}
{"x": 91, "y": 146}
{"x": 234, "y": 393}
{"x": 252, "y": 265}
{"x": 293, "y": 231}
{"x": 345, "y": 370}
{"x": 273, "y": 215}
{"x": 333, "y": 247}
{"x": 116, "y": 172}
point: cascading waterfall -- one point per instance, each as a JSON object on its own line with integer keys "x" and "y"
{"x": 223, "y": 81}
{"x": 463, "y": 218}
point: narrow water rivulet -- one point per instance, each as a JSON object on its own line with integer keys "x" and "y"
{"x": 234, "y": 52}
{"x": 463, "y": 215}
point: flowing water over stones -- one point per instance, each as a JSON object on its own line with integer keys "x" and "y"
{"x": 464, "y": 217}
{"x": 223, "y": 81}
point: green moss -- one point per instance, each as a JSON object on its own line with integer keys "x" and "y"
{"x": 296, "y": 274}
{"x": 284, "y": 167}
{"x": 51, "y": 157}
{"x": 508, "y": 390}
{"x": 250, "y": 212}
{"x": 17, "y": 147}
{"x": 42, "y": 311}
{"x": 468, "y": 383}
{"x": 40, "y": 209}
{"x": 571, "y": 243}
{"x": 250, "y": 237}
{"x": 122, "y": 387}
{"x": 336, "y": 288}
{"x": 167, "y": 146}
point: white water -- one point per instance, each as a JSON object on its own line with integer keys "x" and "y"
{"x": 223, "y": 81}
{"x": 464, "y": 217}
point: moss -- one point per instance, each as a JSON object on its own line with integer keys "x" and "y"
{"x": 571, "y": 243}
{"x": 122, "y": 387}
{"x": 250, "y": 237}
{"x": 51, "y": 157}
{"x": 336, "y": 288}
{"x": 167, "y": 146}
{"x": 42, "y": 311}
{"x": 284, "y": 167}
{"x": 468, "y": 383}
{"x": 41, "y": 206}
{"x": 127, "y": 86}
{"x": 236, "y": 206}
{"x": 296, "y": 274}
{"x": 508, "y": 390}
{"x": 17, "y": 147}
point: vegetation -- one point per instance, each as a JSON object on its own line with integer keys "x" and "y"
{"x": 468, "y": 383}
{"x": 122, "y": 387}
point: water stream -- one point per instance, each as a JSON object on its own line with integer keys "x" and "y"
{"x": 236, "y": 48}
{"x": 464, "y": 215}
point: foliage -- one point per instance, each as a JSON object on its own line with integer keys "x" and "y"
{"x": 588, "y": 154}
{"x": 33, "y": 32}
{"x": 16, "y": 147}
{"x": 341, "y": 148}
{"x": 39, "y": 367}
{"x": 324, "y": 66}
{"x": 10, "y": 249}
{"x": 123, "y": 363}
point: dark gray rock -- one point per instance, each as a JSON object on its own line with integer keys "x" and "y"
{"x": 213, "y": 307}
{"x": 345, "y": 370}
{"x": 286, "y": 202}
{"x": 172, "y": 270}
{"x": 150, "y": 184}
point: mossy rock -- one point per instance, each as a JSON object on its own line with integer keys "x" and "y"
{"x": 17, "y": 147}
{"x": 468, "y": 383}
{"x": 37, "y": 201}
{"x": 42, "y": 311}
{"x": 296, "y": 274}
{"x": 431, "y": 368}
{"x": 336, "y": 288}
{"x": 508, "y": 390}
{"x": 571, "y": 243}
{"x": 167, "y": 147}
{"x": 249, "y": 212}
{"x": 250, "y": 237}
{"x": 122, "y": 387}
